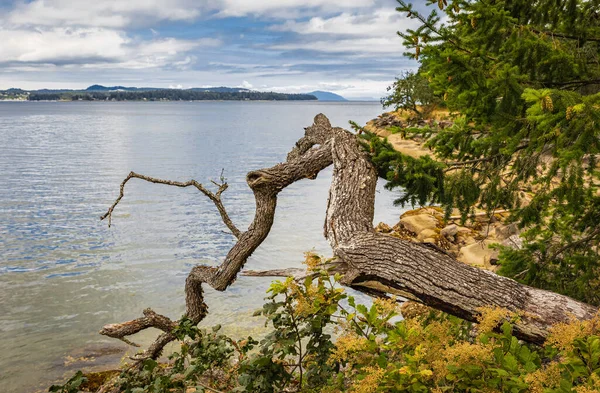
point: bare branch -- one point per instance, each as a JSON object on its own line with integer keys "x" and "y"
{"x": 303, "y": 163}
{"x": 290, "y": 272}
{"x": 150, "y": 319}
{"x": 215, "y": 197}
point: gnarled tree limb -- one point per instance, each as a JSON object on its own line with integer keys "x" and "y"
{"x": 304, "y": 161}
{"x": 370, "y": 262}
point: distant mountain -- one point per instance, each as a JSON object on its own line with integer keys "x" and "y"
{"x": 116, "y": 88}
{"x": 221, "y": 89}
{"x": 327, "y": 96}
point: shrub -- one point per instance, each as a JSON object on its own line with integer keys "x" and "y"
{"x": 374, "y": 351}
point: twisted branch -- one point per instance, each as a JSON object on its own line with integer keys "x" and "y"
{"x": 305, "y": 161}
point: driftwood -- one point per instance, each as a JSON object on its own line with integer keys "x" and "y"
{"x": 371, "y": 262}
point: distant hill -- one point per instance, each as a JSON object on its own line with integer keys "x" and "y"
{"x": 221, "y": 89}
{"x": 122, "y": 93}
{"x": 119, "y": 88}
{"x": 326, "y": 96}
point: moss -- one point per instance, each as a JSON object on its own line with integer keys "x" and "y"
{"x": 97, "y": 379}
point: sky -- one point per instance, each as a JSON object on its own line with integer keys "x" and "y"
{"x": 348, "y": 47}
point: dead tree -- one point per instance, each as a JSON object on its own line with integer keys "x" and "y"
{"x": 370, "y": 262}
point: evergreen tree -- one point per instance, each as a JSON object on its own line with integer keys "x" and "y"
{"x": 523, "y": 80}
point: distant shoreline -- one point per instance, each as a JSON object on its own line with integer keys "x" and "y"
{"x": 192, "y": 101}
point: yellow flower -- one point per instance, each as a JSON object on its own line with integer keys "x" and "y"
{"x": 386, "y": 306}
{"x": 371, "y": 381}
{"x": 490, "y": 317}
{"x": 547, "y": 377}
{"x": 347, "y": 345}
{"x": 563, "y": 334}
{"x": 312, "y": 261}
{"x": 465, "y": 352}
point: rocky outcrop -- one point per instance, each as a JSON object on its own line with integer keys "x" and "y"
{"x": 469, "y": 243}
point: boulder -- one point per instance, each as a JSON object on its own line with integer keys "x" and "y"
{"x": 419, "y": 222}
{"x": 382, "y": 227}
{"x": 476, "y": 254}
{"x": 506, "y": 231}
{"x": 449, "y": 231}
{"x": 427, "y": 234}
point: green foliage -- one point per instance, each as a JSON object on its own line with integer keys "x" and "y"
{"x": 71, "y": 386}
{"x": 522, "y": 82}
{"x": 411, "y": 92}
{"x": 374, "y": 351}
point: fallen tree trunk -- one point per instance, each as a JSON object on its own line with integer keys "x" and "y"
{"x": 370, "y": 262}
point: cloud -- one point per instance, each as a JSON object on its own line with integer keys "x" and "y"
{"x": 101, "y": 13}
{"x": 352, "y": 88}
{"x": 355, "y": 47}
{"x": 246, "y": 85}
{"x": 62, "y": 45}
{"x": 95, "y": 47}
{"x": 357, "y": 34}
{"x": 123, "y": 13}
{"x": 285, "y": 8}
{"x": 380, "y": 23}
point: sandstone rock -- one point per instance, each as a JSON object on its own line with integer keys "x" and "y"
{"x": 382, "y": 227}
{"x": 419, "y": 222}
{"x": 427, "y": 234}
{"x": 477, "y": 254}
{"x": 449, "y": 231}
{"x": 494, "y": 258}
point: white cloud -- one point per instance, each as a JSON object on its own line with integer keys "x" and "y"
{"x": 122, "y": 13}
{"x": 95, "y": 47}
{"x": 353, "y": 88}
{"x": 285, "y": 8}
{"x": 246, "y": 85}
{"x": 101, "y": 13}
{"x": 358, "y": 47}
{"x": 62, "y": 45}
{"x": 380, "y": 23}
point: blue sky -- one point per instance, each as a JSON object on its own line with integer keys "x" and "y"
{"x": 348, "y": 47}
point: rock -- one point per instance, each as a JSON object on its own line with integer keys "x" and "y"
{"x": 419, "y": 222}
{"x": 382, "y": 227}
{"x": 513, "y": 241}
{"x": 506, "y": 231}
{"x": 494, "y": 258}
{"x": 427, "y": 234}
{"x": 449, "y": 231}
{"x": 464, "y": 230}
{"x": 477, "y": 254}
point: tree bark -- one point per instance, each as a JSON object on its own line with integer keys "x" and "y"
{"x": 370, "y": 261}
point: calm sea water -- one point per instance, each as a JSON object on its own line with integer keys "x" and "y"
{"x": 64, "y": 274}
